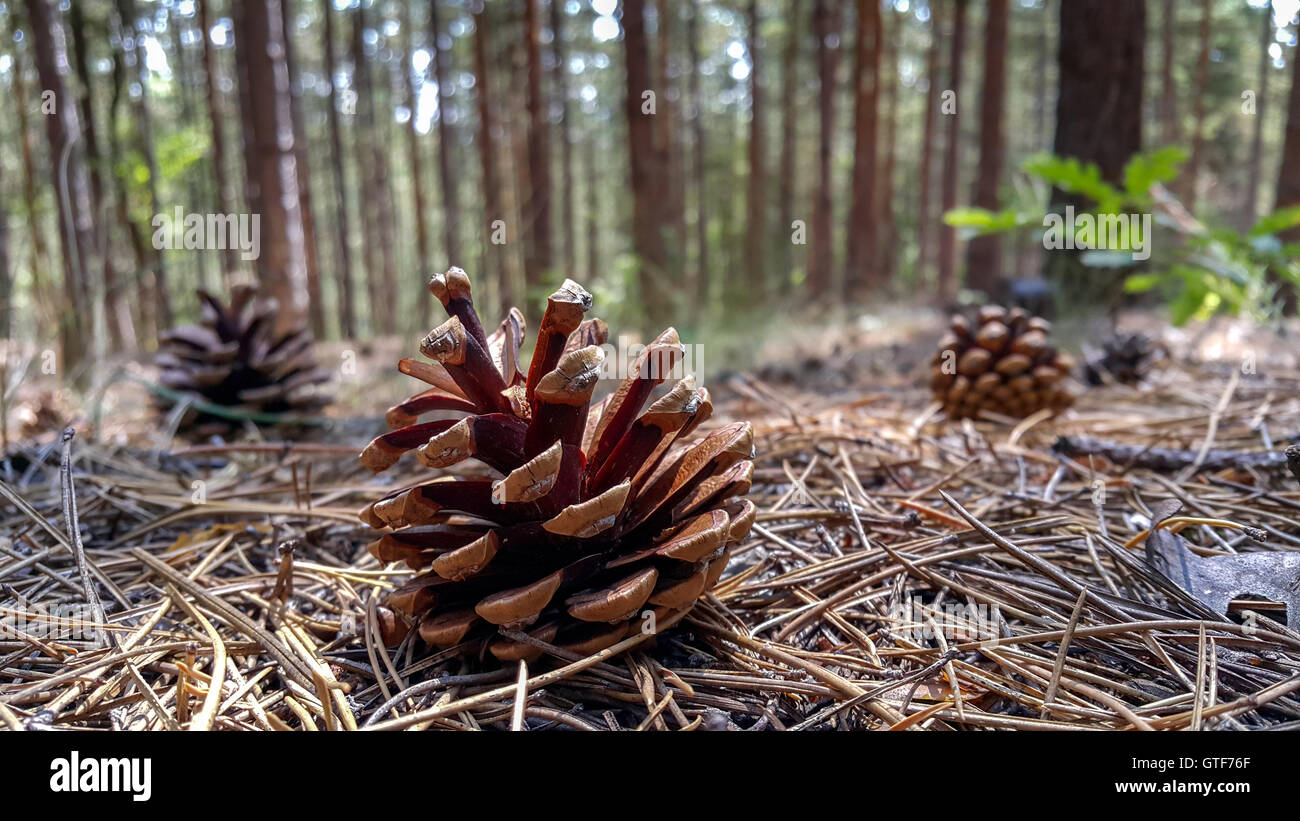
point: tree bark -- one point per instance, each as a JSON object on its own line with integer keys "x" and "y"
{"x": 789, "y": 140}
{"x": 343, "y": 232}
{"x": 862, "y": 275}
{"x": 1251, "y": 210}
{"x": 538, "y": 256}
{"x": 698, "y": 288}
{"x": 646, "y": 170}
{"x": 560, "y": 90}
{"x": 423, "y": 252}
{"x": 951, "y": 159}
{"x": 225, "y": 190}
{"x": 68, "y": 178}
{"x": 271, "y": 157}
{"x": 493, "y": 204}
{"x": 887, "y": 253}
{"x": 756, "y": 225}
{"x": 984, "y": 254}
{"x": 446, "y": 141}
{"x": 40, "y": 255}
{"x": 311, "y": 257}
{"x": 927, "y": 146}
{"x": 1198, "y": 109}
{"x": 1168, "y": 103}
{"x": 826, "y": 22}
{"x": 1288, "y": 176}
{"x": 668, "y": 138}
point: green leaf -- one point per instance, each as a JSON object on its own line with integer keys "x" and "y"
{"x": 1151, "y": 168}
{"x": 1277, "y": 222}
{"x": 1068, "y": 174}
{"x": 1141, "y": 283}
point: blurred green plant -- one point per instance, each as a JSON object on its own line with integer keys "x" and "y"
{"x": 1209, "y": 270}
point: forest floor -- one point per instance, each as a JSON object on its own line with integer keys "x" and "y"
{"x": 1122, "y": 566}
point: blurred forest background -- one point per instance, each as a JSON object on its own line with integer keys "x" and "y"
{"x": 706, "y": 163}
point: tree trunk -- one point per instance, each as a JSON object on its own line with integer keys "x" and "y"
{"x": 698, "y": 289}
{"x": 1098, "y": 118}
{"x": 538, "y": 257}
{"x": 560, "y": 90}
{"x": 40, "y": 256}
{"x": 861, "y": 246}
{"x": 423, "y": 252}
{"x": 887, "y": 258}
{"x": 343, "y": 232}
{"x": 984, "y": 254}
{"x": 668, "y": 138}
{"x": 647, "y": 170}
{"x": 493, "y": 205}
{"x": 1251, "y": 210}
{"x": 1168, "y": 104}
{"x": 225, "y": 190}
{"x": 826, "y": 22}
{"x": 1198, "y": 109}
{"x": 446, "y": 141}
{"x": 131, "y": 31}
{"x": 270, "y": 157}
{"x": 756, "y": 226}
{"x": 951, "y": 160}
{"x": 789, "y": 141}
{"x": 927, "y": 147}
{"x": 1288, "y": 177}
{"x": 176, "y": 25}
{"x": 68, "y": 178}
{"x": 311, "y": 256}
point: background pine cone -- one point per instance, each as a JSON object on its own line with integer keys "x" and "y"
{"x": 1124, "y": 358}
{"x": 600, "y": 514}
{"x": 1002, "y": 364}
{"x": 235, "y": 358}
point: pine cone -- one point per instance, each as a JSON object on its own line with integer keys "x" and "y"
{"x": 1003, "y": 365}
{"x": 601, "y": 513}
{"x": 234, "y": 358}
{"x": 1124, "y": 358}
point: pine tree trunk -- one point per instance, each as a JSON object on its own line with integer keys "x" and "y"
{"x": 1198, "y": 109}
{"x": 826, "y": 23}
{"x": 756, "y": 225}
{"x": 789, "y": 140}
{"x": 538, "y": 255}
{"x": 862, "y": 243}
{"x": 376, "y": 212}
{"x": 1168, "y": 103}
{"x": 668, "y": 138}
{"x": 647, "y": 171}
{"x": 1250, "y": 211}
{"x": 270, "y": 157}
{"x": 225, "y": 201}
{"x": 342, "y": 222}
{"x": 493, "y": 204}
{"x": 560, "y": 90}
{"x": 951, "y": 160}
{"x": 1288, "y": 178}
{"x": 311, "y": 256}
{"x": 425, "y": 262}
{"x": 984, "y": 254}
{"x": 68, "y": 178}
{"x": 698, "y": 288}
{"x": 40, "y": 256}
{"x": 933, "y": 91}
{"x": 887, "y": 255}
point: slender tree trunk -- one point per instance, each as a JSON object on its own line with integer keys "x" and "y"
{"x": 131, "y": 28}
{"x": 1251, "y": 210}
{"x": 984, "y": 254}
{"x": 538, "y": 256}
{"x": 71, "y": 194}
{"x": 887, "y": 256}
{"x": 40, "y": 256}
{"x": 756, "y": 225}
{"x": 342, "y": 222}
{"x": 417, "y": 164}
{"x": 862, "y": 276}
{"x": 176, "y": 25}
{"x": 789, "y": 140}
{"x": 1168, "y": 104}
{"x": 221, "y": 176}
{"x": 494, "y": 215}
{"x": 311, "y": 254}
{"x": 446, "y": 140}
{"x": 560, "y": 80}
{"x": 933, "y": 91}
{"x": 1198, "y": 108}
{"x": 372, "y": 165}
{"x": 6, "y": 273}
{"x": 698, "y": 289}
{"x": 951, "y": 160}
{"x": 1288, "y": 178}
{"x": 826, "y": 22}
{"x": 647, "y": 170}
{"x": 667, "y": 136}
{"x": 271, "y": 156}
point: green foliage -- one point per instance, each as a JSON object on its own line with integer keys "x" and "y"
{"x": 1200, "y": 270}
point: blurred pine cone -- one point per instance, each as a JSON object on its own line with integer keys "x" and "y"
{"x": 1003, "y": 364}
{"x": 602, "y": 513}
{"x": 234, "y": 358}
{"x": 1124, "y": 358}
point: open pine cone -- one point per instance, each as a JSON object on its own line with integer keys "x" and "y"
{"x": 1003, "y": 365}
{"x": 1124, "y": 358}
{"x": 601, "y": 514}
{"x": 235, "y": 358}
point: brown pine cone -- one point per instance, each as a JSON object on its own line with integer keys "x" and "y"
{"x": 1002, "y": 364}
